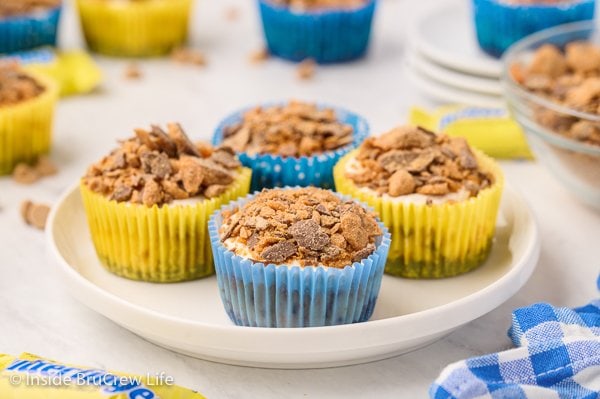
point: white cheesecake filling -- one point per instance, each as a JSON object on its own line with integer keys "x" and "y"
{"x": 188, "y": 201}
{"x": 242, "y": 250}
{"x": 237, "y": 247}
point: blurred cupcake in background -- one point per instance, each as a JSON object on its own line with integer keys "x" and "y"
{"x": 27, "y": 104}
{"x": 326, "y": 31}
{"x": 134, "y": 28}
{"x": 500, "y": 23}
{"x": 439, "y": 198}
{"x": 25, "y": 24}
{"x": 293, "y": 143}
{"x": 148, "y": 203}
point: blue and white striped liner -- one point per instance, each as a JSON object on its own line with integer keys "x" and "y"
{"x": 499, "y": 23}
{"x": 259, "y": 295}
{"x": 24, "y": 32}
{"x": 326, "y": 36}
{"x": 270, "y": 170}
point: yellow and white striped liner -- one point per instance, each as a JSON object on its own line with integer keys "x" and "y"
{"x": 158, "y": 244}
{"x": 26, "y": 127}
{"x": 438, "y": 240}
{"x": 134, "y": 28}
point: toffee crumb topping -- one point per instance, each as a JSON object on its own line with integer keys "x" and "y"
{"x": 570, "y": 78}
{"x": 409, "y": 160}
{"x": 156, "y": 167}
{"x": 17, "y": 86}
{"x": 10, "y": 8}
{"x": 307, "y": 226}
{"x": 293, "y": 130}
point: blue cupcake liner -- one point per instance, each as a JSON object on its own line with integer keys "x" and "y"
{"x": 500, "y": 24}
{"x": 327, "y": 36}
{"x": 270, "y": 170}
{"x": 259, "y": 295}
{"x": 24, "y": 32}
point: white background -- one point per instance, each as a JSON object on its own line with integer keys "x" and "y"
{"x": 37, "y": 315}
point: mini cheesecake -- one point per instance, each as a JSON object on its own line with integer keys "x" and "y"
{"x": 438, "y": 196}
{"x": 149, "y": 200}
{"x": 298, "y": 257}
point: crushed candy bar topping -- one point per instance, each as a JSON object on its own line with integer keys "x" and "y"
{"x": 306, "y": 227}
{"x": 293, "y": 130}
{"x": 34, "y": 214}
{"x": 186, "y": 55}
{"x": 16, "y": 85}
{"x": 133, "y": 72}
{"x": 306, "y": 69}
{"x": 10, "y": 8}
{"x": 157, "y": 167}
{"x": 570, "y": 78}
{"x": 29, "y": 174}
{"x": 232, "y": 13}
{"x": 318, "y": 4}
{"x": 259, "y": 56}
{"x": 409, "y": 160}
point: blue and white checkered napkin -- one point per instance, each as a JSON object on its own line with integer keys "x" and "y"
{"x": 557, "y": 356}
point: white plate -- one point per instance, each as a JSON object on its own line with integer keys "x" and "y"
{"x": 452, "y": 77}
{"x": 189, "y": 318}
{"x": 449, "y": 94}
{"x": 445, "y": 33}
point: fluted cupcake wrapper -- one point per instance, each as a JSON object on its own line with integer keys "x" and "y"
{"x": 326, "y": 36}
{"x": 270, "y": 170}
{"x": 158, "y": 244}
{"x": 259, "y": 295}
{"x": 23, "y": 32}
{"x": 437, "y": 240}
{"x": 134, "y": 28}
{"x": 26, "y": 128}
{"x": 500, "y": 24}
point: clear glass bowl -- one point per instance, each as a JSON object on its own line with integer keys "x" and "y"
{"x": 576, "y": 164}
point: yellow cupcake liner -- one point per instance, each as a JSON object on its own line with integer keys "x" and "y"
{"x": 159, "y": 244}
{"x": 134, "y": 28}
{"x": 26, "y": 127}
{"x": 438, "y": 240}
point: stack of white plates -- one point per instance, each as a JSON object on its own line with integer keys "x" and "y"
{"x": 445, "y": 62}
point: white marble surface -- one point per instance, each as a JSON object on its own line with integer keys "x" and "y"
{"x": 38, "y": 316}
